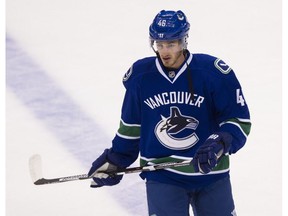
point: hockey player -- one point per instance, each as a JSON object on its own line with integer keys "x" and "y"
{"x": 179, "y": 106}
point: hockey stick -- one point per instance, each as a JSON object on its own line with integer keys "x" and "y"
{"x": 35, "y": 166}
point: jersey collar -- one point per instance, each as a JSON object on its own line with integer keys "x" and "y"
{"x": 180, "y": 71}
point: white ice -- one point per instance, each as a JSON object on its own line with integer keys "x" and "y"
{"x": 64, "y": 95}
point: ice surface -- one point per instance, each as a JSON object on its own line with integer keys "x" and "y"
{"x": 65, "y": 61}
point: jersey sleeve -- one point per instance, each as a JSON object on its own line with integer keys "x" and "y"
{"x": 126, "y": 141}
{"x": 231, "y": 109}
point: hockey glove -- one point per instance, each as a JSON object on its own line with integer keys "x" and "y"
{"x": 207, "y": 156}
{"x": 100, "y": 169}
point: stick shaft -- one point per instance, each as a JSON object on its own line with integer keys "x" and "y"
{"x": 41, "y": 181}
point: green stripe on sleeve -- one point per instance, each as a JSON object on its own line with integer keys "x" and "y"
{"x": 245, "y": 126}
{"x": 129, "y": 130}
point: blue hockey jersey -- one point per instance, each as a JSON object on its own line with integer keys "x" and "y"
{"x": 166, "y": 118}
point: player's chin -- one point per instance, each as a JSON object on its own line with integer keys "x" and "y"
{"x": 167, "y": 63}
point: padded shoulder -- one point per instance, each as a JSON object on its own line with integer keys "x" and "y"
{"x": 137, "y": 70}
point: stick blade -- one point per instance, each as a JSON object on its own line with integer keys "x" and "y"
{"x": 35, "y": 167}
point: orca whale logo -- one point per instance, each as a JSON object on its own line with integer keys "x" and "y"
{"x": 167, "y": 129}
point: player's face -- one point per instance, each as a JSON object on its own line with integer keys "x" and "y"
{"x": 171, "y": 53}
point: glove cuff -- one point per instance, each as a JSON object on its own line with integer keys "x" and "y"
{"x": 223, "y": 138}
{"x": 114, "y": 158}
